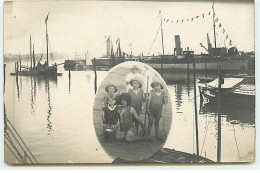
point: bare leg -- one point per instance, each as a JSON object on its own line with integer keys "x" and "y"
{"x": 131, "y": 135}
{"x": 156, "y": 124}
{"x": 150, "y": 125}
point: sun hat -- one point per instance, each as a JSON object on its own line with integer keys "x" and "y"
{"x": 111, "y": 84}
{"x": 156, "y": 82}
{"x": 134, "y": 68}
{"x": 138, "y": 79}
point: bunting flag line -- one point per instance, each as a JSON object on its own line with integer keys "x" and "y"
{"x": 183, "y": 20}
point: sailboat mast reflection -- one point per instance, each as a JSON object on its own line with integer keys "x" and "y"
{"x": 49, "y": 111}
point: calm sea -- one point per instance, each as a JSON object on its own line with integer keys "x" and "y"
{"x": 54, "y": 118}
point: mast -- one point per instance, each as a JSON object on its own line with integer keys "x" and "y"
{"x": 33, "y": 57}
{"x": 20, "y": 63}
{"x": 47, "y": 39}
{"x": 214, "y": 25}
{"x": 162, "y": 46}
{"x": 30, "y": 52}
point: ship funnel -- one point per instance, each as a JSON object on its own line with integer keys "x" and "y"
{"x": 108, "y": 46}
{"x": 178, "y": 48}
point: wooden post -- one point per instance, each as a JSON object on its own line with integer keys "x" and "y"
{"x": 219, "y": 117}
{"x": 95, "y": 72}
{"x": 206, "y": 69}
{"x": 4, "y": 76}
{"x": 69, "y": 80}
{"x": 195, "y": 106}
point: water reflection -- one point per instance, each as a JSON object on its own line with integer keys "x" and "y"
{"x": 17, "y": 87}
{"x": 234, "y": 113}
{"x": 38, "y": 81}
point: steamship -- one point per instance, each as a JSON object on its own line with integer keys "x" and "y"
{"x": 229, "y": 60}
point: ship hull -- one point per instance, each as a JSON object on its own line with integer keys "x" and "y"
{"x": 49, "y": 71}
{"x": 228, "y": 65}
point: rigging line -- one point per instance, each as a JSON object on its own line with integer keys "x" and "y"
{"x": 154, "y": 39}
{"x": 193, "y": 129}
{"x": 19, "y": 154}
{"x": 21, "y": 140}
{"x": 236, "y": 140}
{"x": 20, "y": 144}
{"x": 205, "y": 136}
{"x": 12, "y": 152}
{"x": 206, "y": 34}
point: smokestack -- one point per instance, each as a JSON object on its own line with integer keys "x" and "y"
{"x": 108, "y": 46}
{"x": 178, "y": 45}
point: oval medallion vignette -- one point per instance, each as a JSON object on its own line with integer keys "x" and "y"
{"x": 115, "y": 119}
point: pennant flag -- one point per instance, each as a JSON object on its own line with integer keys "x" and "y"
{"x": 191, "y": 19}
{"x": 188, "y": 19}
{"x": 177, "y": 21}
{"x": 167, "y": 20}
{"x": 197, "y": 16}
{"x": 164, "y": 19}
{"x": 203, "y": 15}
{"x": 216, "y": 20}
{"x": 171, "y": 21}
{"x": 182, "y": 21}
{"x": 230, "y": 42}
{"x": 47, "y": 18}
{"x": 226, "y": 36}
{"x": 223, "y": 31}
{"x": 159, "y": 13}
{"x": 209, "y": 13}
{"x": 219, "y": 25}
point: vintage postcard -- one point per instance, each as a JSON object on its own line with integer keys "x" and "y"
{"x": 129, "y": 82}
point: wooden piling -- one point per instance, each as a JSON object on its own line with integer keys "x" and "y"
{"x": 219, "y": 117}
{"x": 195, "y": 107}
{"x": 95, "y": 72}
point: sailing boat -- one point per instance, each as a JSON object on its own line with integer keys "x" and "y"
{"x": 39, "y": 69}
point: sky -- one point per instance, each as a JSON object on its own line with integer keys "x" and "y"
{"x": 81, "y": 26}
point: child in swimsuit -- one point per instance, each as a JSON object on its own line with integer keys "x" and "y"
{"x": 155, "y": 104}
{"x": 110, "y": 115}
{"x": 137, "y": 97}
{"x": 128, "y": 131}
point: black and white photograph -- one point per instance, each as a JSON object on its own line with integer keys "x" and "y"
{"x": 129, "y": 82}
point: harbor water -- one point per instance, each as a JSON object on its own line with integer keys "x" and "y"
{"x": 54, "y": 116}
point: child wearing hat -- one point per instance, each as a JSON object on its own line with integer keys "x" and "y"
{"x": 111, "y": 93}
{"x": 155, "y": 104}
{"x": 137, "y": 97}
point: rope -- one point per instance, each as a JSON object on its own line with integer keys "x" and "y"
{"x": 205, "y": 137}
{"x": 22, "y": 140}
{"x": 13, "y": 152}
{"x": 154, "y": 39}
{"x": 236, "y": 141}
{"x": 11, "y": 142}
{"x": 193, "y": 129}
{"x": 206, "y": 34}
{"x": 19, "y": 144}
